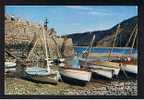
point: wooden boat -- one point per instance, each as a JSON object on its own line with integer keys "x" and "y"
{"x": 103, "y": 68}
{"x": 104, "y": 64}
{"x": 114, "y": 71}
{"x": 130, "y": 68}
{"x": 103, "y": 72}
{"x": 37, "y": 74}
{"x": 127, "y": 66}
{"x": 123, "y": 60}
{"x": 75, "y": 76}
{"x": 10, "y": 66}
{"x": 10, "y": 70}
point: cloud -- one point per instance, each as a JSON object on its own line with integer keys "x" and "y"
{"x": 79, "y": 7}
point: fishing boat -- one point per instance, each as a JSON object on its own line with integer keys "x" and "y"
{"x": 10, "y": 66}
{"x": 37, "y": 74}
{"x": 75, "y": 76}
{"x": 124, "y": 60}
{"x": 104, "y": 68}
{"x": 127, "y": 66}
{"x": 103, "y": 72}
{"x": 127, "y": 61}
{"x": 42, "y": 74}
{"x": 130, "y": 68}
{"x": 72, "y": 73}
{"x": 112, "y": 64}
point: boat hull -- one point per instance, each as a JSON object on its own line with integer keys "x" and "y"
{"x": 73, "y": 76}
{"x": 10, "y": 67}
{"x": 10, "y": 64}
{"x": 40, "y": 79}
{"x": 10, "y": 70}
{"x": 114, "y": 71}
{"x": 39, "y": 75}
{"x": 104, "y": 73}
{"x": 130, "y": 68}
{"x": 102, "y": 69}
{"x": 101, "y": 63}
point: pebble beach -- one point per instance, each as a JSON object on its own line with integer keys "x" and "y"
{"x": 18, "y": 86}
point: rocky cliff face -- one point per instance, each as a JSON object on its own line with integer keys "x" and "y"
{"x": 105, "y": 38}
{"x": 19, "y": 33}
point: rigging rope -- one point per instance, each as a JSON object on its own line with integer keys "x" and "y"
{"x": 134, "y": 40}
{"x": 133, "y": 31}
{"x": 117, "y": 31}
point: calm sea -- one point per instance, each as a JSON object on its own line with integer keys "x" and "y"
{"x": 106, "y": 50}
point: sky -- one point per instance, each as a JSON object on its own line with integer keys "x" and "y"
{"x": 74, "y": 19}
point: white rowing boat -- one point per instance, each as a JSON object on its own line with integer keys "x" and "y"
{"x": 104, "y": 73}
{"x": 77, "y": 76}
{"x": 38, "y": 74}
{"x": 10, "y": 64}
{"x": 10, "y": 67}
{"x": 130, "y": 68}
{"x": 115, "y": 71}
{"x": 103, "y": 68}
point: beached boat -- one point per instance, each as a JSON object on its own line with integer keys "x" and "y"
{"x": 10, "y": 66}
{"x": 127, "y": 66}
{"x": 130, "y": 68}
{"x": 116, "y": 63}
{"x": 103, "y": 68}
{"x": 123, "y": 60}
{"x": 75, "y": 76}
{"x": 37, "y": 74}
{"x": 103, "y": 72}
{"x": 127, "y": 61}
{"x": 71, "y": 72}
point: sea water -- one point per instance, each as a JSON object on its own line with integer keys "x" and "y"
{"x": 106, "y": 50}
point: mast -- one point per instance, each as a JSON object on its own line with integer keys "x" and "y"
{"x": 32, "y": 46}
{"x": 133, "y": 31}
{"x": 92, "y": 41}
{"x": 45, "y": 45}
{"x": 90, "y": 46}
{"x": 136, "y": 31}
{"x": 54, "y": 39}
{"x": 117, "y": 31}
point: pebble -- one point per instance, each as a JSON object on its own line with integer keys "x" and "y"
{"x": 117, "y": 88}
